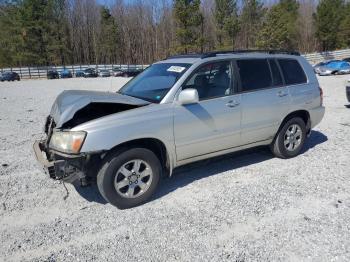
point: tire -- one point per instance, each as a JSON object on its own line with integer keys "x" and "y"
{"x": 294, "y": 143}
{"x": 128, "y": 181}
{"x": 125, "y": 75}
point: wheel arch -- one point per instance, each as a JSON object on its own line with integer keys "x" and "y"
{"x": 303, "y": 114}
{"x": 157, "y": 146}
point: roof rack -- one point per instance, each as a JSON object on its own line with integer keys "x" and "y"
{"x": 194, "y": 55}
{"x": 215, "y": 53}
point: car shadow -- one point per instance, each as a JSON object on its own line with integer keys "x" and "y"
{"x": 90, "y": 193}
{"x": 189, "y": 173}
{"x": 315, "y": 139}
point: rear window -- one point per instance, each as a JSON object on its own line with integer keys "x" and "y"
{"x": 255, "y": 74}
{"x": 292, "y": 72}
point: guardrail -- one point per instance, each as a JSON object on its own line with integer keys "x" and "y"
{"x": 314, "y": 58}
{"x": 41, "y": 71}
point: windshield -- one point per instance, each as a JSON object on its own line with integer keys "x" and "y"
{"x": 155, "y": 82}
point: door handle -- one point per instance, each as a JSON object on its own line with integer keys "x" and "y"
{"x": 282, "y": 94}
{"x": 232, "y": 103}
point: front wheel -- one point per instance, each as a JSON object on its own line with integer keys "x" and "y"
{"x": 290, "y": 138}
{"x": 129, "y": 177}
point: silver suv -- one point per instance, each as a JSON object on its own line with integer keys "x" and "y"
{"x": 180, "y": 110}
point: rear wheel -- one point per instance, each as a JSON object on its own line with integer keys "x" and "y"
{"x": 129, "y": 177}
{"x": 290, "y": 138}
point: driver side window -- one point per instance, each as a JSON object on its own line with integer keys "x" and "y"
{"x": 211, "y": 80}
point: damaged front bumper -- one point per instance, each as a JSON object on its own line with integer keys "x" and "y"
{"x": 69, "y": 168}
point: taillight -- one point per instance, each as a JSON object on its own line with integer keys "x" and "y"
{"x": 321, "y": 95}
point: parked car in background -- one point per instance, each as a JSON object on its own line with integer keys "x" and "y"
{"x": 79, "y": 73}
{"x": 52, "y": 74}
{"x": 117, "y": 72}
{"x": 335, "y": 68}
{"x": 9, "y": 76}
{"x": 104, "y": 73}
{"x": 318, "y": 66}
{"x": 90, "y": 72}
{"x": 130, "y": 72}
{"x": 65, "y": 73}
{"x": 178, "y": 111}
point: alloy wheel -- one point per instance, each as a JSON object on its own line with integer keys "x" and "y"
{"x": 133, "y": 178}
{"x": 293, "y": 137}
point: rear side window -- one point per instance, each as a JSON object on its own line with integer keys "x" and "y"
{"x": 276, "y": 74}
{"x": 292, "y": 71}
{"x": 255, "y": 74}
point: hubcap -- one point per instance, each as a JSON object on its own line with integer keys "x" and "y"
{"x": 133, "y": 178}
{"x": 293, "y": 137}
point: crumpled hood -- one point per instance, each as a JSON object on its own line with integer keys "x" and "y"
{"x": 69, "y": 102}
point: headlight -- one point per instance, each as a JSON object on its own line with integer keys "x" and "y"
{"x": 66, "y": 141}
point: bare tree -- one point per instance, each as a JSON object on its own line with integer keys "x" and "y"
{"x": 306, "y": 27}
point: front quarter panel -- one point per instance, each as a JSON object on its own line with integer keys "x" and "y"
{"x": 152, "y": 121}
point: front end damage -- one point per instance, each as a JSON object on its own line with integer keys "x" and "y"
{"x": 70, "y": 168}
{"x": 71, "y": 109}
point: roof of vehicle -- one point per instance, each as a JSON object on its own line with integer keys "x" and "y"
{"x": 193, "y": 58}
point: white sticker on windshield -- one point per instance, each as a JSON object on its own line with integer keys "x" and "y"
{"x": 177, "y": 69}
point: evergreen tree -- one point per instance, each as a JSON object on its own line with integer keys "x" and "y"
{"x": 227, "y": 22}
{"x": 328, "y": 19}
{"x": 9, "y": 35}
{"x": 279, "y": 29}
{"x": 188, "y": 19}
{"x": 108, "y": 40}
{"x": 344, "y": 30}
{"x": 33, "y": 19}
{"x": 251, "y": 20}
{"x": 57, "y": 34}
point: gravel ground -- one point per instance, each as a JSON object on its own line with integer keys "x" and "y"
{"x": 246, "y": 206}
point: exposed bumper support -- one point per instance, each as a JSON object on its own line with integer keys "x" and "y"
{"x": 61, "y": 169}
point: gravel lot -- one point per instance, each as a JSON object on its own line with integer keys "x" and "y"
{"x": 246, "y": 206}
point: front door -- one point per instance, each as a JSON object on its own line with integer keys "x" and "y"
{"x": 213, "y": 124}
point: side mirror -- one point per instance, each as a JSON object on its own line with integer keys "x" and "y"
{"x": 188, "y": 96}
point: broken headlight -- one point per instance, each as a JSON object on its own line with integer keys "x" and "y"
{"x": 67, "y": 141}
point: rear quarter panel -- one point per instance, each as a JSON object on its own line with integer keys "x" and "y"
{"x": 305, "y": 96}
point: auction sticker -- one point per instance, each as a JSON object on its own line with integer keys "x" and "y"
{"x": 177, "y": 69}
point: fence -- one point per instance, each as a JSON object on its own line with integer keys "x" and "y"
{"x": 41, "y": 71}
{"x": 319, "y": 57}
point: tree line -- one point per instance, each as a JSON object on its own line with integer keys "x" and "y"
{"x": 60, "y": 32}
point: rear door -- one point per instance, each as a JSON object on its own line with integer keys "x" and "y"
{"x": 304, "y": 92}
{"x": 265, "y": 99}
